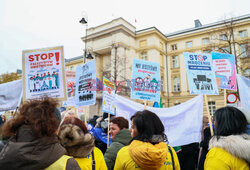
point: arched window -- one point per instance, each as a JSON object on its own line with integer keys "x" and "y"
{"x": 176, "y": 84}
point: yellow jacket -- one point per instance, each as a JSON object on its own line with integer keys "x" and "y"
{"x": 143, "y": 155}
{"x": 228, "y": 153}
{"x": 86, "y": 163}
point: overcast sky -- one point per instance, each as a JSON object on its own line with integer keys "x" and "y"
{"x": 31, "y": 24}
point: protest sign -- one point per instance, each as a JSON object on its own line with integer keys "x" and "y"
{"x": 225, "y": 71}
{"x": 182, "y": 123}
{"x": 244, "y": 91}
{"x": 146, "y": 81}
{"x": 71, "y": 88}
{"x": 86, "y": 84}
{"x": 43, "y": 73}
{"x": 200, "y": 73}
{"x": 108, "y": 105}
{"x": 10, "y": 95}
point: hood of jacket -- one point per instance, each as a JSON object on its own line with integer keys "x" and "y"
{"x": 25, "y": 151}
{"x": 77, "y": 143}
{"x": 123, "y": 137}
{"x": 237, "y": 145}
{"x": 147, "y": 155}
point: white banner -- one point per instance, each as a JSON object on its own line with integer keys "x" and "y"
{"x": 244, "y": 90}
{"x": 182, "y": 122}
{"x": 10, "y": 95}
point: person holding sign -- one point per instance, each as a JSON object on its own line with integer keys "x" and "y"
{"x": 229, "y": 147}
{"x": 147, "y": 149}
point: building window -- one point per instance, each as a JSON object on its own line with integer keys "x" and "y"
{"x": 143, "y": 43}
{"x": 189, "y": 44}
{"x": 242, "y": 33}
{"x": 247, "y": 73}
{"x": 225, "y": 50}
{"x": 207, "y": 51}
{"x": 175, "y": 61}
{"x": 176, "y": 84}
{"x": 244, "y": 50}
{"x": 174, "y": 47}
{"x": 223, "y": 37}
{"x": 144, "y": 56}
{"x": 212, "y": 107}
{"x": 205, "y": 41}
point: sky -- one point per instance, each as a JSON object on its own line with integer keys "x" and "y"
{"x": 32, "y": 24}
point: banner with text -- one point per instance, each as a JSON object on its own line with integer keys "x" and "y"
{"x": 86, "y": 84}
{"x": 146, "y": 81}
{"x": 225, "y": 71}
{"x": 200, "y": 73}
{"x": 182, "y": 122}
{"x": 10, "y": 95}
{"x": 108, "y": 97}
{"x": 71, "y": 89}
{"x": 244, "y": 90}
{"x": 43, "y": 73}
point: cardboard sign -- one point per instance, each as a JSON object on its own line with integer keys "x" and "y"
{"x": 225, "y": 71}
{"x": 146, "y": 81}
{"x": 200, "y": 73}
{"x": 71, "y": 88}
{"x": 86, "y": 84}
{"x": 43, "y": 73}
{"x": 108, "y": 98}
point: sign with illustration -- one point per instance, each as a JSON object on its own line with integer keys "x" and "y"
{"x": 71, "y": 88}
{"x": 108, "y": 98}
{"x": 200, "y": 73}
{"x": 146, "y": 81}
{"x": 86, "y": 84}
{"x": 43, "y": 73}
{"x": 225, "y": 71}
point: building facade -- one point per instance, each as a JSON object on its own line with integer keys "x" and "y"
{"x": 116, "y": 43}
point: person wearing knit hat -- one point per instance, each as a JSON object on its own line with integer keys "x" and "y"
{"x": 33, "y": 140}
{"x": 80, "y": 144}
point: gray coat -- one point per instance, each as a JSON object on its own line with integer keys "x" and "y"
{"x": 24, "y": 151}
{"x": 121, "y": 139}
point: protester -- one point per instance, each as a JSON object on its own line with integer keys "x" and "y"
{"x": 80, "y": 144}
{"x": 32, "y": 137}
{"x": 120, "y": 136}
{"x": 147, "y": 149}
{"x": 229, "y": 147}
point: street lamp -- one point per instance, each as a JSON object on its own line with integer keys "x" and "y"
{"x": 89, "y": 56}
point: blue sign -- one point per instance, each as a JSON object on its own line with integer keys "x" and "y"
{"x": 200, "y": 73}
{"x": 86, "y": 84}
{"x": 146, "y": 81}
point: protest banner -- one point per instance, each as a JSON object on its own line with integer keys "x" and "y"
{"x": 182, "y": 123}
{"x": 244, "y": 91}
{"x": 146, "y": 81}
{"x": 200, "y": 73}
{"x": 86, "y": 84}
{"x": 71, "y": 89}
{"x": 43, "y": 73}
{"x": 225, "y": 71}
{"x": 108, "y": 105}
{"x": 10, "y": 95}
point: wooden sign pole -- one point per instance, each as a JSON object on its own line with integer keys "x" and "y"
{"x": 209, "y": 117}
{"x": 145, "y": 104}
{"x": 225, "y": 97}
{"x": 108, "y": 131}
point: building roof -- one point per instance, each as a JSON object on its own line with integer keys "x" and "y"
{"x": 243, "y": 17}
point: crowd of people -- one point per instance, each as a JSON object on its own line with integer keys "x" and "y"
{"x": 40, "y": 137}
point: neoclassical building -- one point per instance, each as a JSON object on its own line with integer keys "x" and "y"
{"x": 116, "y": 43}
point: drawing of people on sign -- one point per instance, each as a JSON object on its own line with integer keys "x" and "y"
{"x": 44, "y": 73}
{"x": 201, "y": 76}
{"x": 146, "y": 80}
{"x": 86, "y": 84}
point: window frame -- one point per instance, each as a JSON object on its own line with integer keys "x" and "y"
{"x": 176, "y": 85}
{"x": 175, "y": 61}
{"x": 189, "y": 42}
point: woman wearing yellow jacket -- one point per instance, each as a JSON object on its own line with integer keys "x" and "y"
{"x": 148, "y": 149}
{"x": 230, "y": 147}
{"x": 80, "y": 144}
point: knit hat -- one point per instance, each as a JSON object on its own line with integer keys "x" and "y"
{"x": 57, "y": 114}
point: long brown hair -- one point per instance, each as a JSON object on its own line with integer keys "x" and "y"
{"x": 38, "y": 114}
